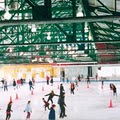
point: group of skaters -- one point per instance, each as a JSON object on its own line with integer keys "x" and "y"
{"x": 28, "y": 109}
{"x": 50, "y": 106}
{"x": 16, "y": 83}
{"x": 61, "y": 103}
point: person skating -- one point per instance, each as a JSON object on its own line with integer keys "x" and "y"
{"x": 51, "y": 95}
{"x": 61, "y": 89}
{"x": 113, "y": 88}
{"x": 14, "y": 84}
{"x": 62, "y": 105}
{"x": 88, "y": 79}
{"x": 47, "y": 79}
{"x": 52, "y": 115}
{"x": 72, "y": 88}
{"x": 5, "y": 86}
{"x": 28, "y": 109}
{"x": 8, "y": 111}
{"x": 51, "y": 80}
{"x": 46, "y": 104}
{"x": 31, "y": 85}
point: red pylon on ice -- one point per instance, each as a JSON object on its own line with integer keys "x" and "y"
{"x": 10, "y": 98}
{"x": 31, "y": 92}
{"x": 42, "y": 88}
{"x": 87, "y": 85}
{"x": 16, "y": 96}
{"x": 58, "y": 87}
{"x": 110, "y": 106}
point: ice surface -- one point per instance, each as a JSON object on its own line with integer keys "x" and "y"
{"x": 86, "y": 104}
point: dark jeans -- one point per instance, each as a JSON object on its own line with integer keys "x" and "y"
{"x": 62, "y": 111}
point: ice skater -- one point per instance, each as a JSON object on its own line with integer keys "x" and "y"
{"x": 5, "y": 85}
{"x": 14, "y": 84}
{"x": 52, "y": 115}
{"x": 47, "y": 79}
{"x": 62, "y": 105}
{"x": 61, "y": 89}
{"x": 72, "y": 88}
{"x": 51, "y": 80}
{"x": 8, "y": 111}
{"x": 51, "y": 95}
{"x": 28, "y": 109}
{"x": 113, "y": 88}
{"x": 88, "y": 79}
{"x": 31, "y": 85}
{"x": 46, "y": 104}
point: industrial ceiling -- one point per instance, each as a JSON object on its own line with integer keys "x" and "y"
{"x": 60, "y": 31}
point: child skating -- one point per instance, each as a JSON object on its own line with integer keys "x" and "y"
{"x": 28, "y": 110}
{"x": 46, "y": 104}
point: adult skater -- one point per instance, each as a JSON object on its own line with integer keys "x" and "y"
{"x": 14, "y": 84}
{"x": 52, "y": 115}
{"x": 8, "y": 111}
{"x": 31, "y": 85}
{"x": 51, "y": 95}
{"x": 88, "y": 79}
{"x": 51, "y": 80}
{"x": 62, "y": 105}
{"x": 5, "y": 85}
{"x": 61, "y": 89}
{"x": 28, "y": 109}
{"x": 47, "y": 79}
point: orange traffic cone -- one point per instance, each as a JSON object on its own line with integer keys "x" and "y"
{"x": 16, "y": 96}
{"x": 110, "y": 104}
{"x": 10, "y": 98}
{"x": 42, "y": 88}
{"x": 31, "y": 92}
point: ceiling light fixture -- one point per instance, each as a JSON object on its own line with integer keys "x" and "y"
{"x": 33, "y": 29}
{"x": 7, "y": 14}
{"x": 48, "y": 36}
{"x": 79, "y": 13}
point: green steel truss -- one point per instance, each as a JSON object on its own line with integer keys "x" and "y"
{"x": 32, "y": 36}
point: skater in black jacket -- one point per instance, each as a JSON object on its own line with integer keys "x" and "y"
{"x": 8, "y": 111}
{"x": 51, "y": 95}
{"x": 62, "y": 105}
{"x": 61, "y": 89}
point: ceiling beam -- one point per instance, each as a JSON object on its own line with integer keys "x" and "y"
{"x": 57, "y": 43}
{"x": 60, "y": 20}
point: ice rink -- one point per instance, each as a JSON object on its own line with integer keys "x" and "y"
{"x": 88, "y": 103}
